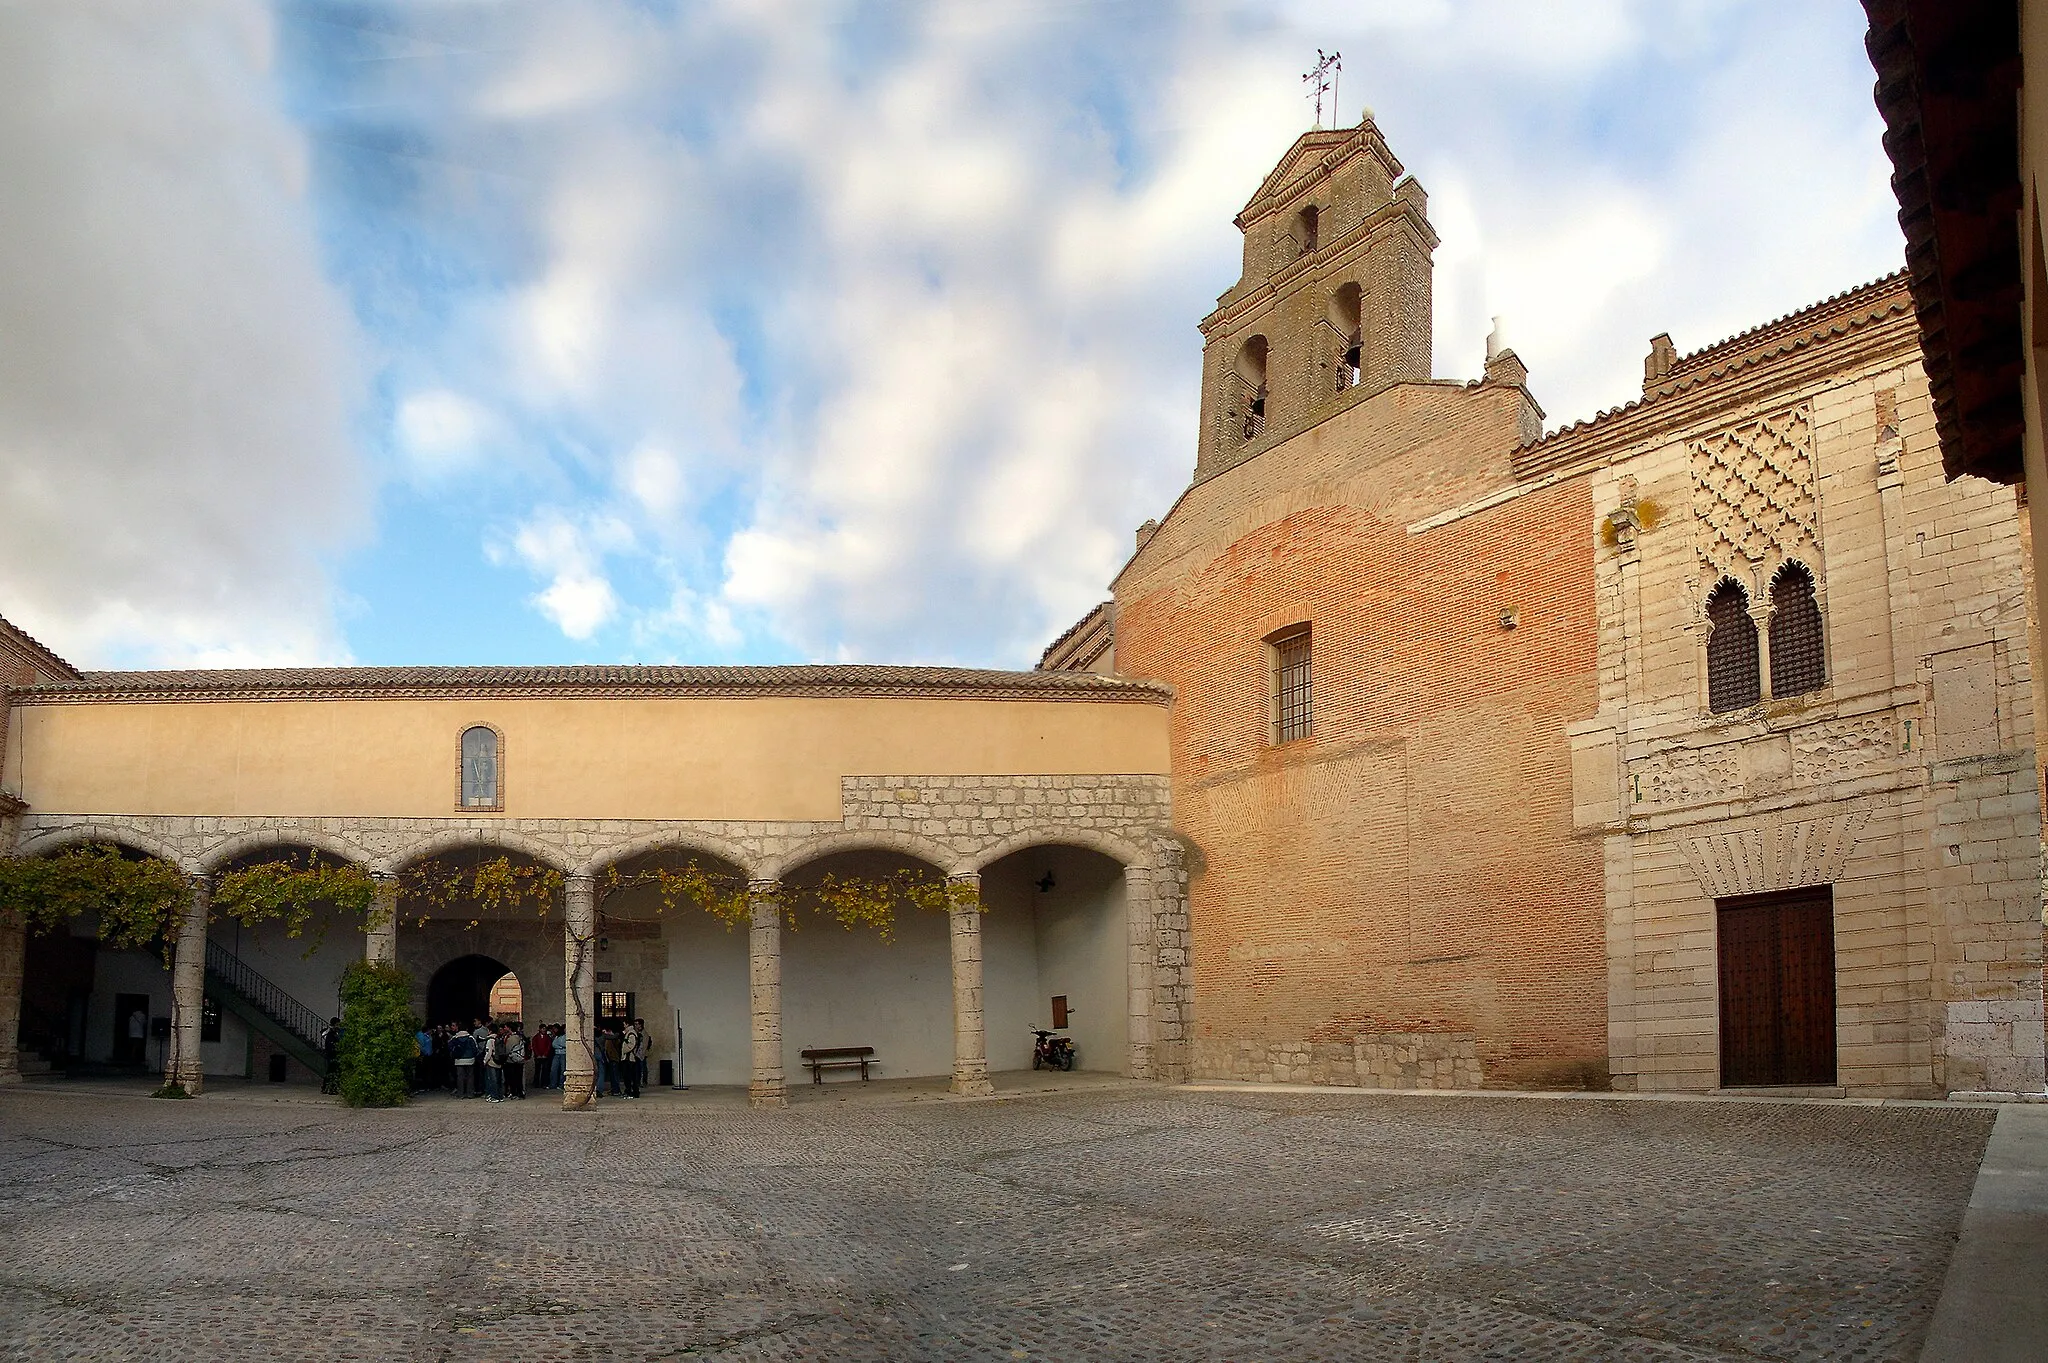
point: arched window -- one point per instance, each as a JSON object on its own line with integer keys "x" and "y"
{"x": 1308, "y": 229}
{"x": 481, "y": 752}
{"x": 1346, "y": 317}
{"x": 1732, "y": 662}
{"x": 1251, "y": 372}
{"x": 1798, "y": 660}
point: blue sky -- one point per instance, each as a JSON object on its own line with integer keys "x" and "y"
{"x": 720, "y": 331}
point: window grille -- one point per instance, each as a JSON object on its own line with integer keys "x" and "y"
{"x": 480, "y": 767}
{"x": 1733, "y": 665}
{"x": 1798, "y": 659}
{"x": 1292, "y": 712}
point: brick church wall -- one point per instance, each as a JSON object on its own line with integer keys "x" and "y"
{"x": 1411, "y": 867}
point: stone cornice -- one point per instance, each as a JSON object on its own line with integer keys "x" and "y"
{"x": 1790, "y": 358}
{"x": 591, "y": 683}
{"x": 1302, "y": 164}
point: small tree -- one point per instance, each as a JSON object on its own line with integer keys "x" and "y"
{"x": 377, "y": 1034}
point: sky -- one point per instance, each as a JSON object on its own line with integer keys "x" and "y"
{"x": 450, "y": 331}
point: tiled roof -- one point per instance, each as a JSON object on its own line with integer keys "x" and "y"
{"x": 382, "y": 683}
{"x": 1083, "y": 651}
{"x": 17, "y": 640}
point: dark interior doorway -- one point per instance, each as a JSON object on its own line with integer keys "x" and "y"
{"x": 1777, "y": 957}
{"x": 131, "y": 1029}
{"x": 461, "y": 990}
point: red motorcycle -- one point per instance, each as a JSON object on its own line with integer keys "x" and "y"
{"x": 1052, "y": 1051}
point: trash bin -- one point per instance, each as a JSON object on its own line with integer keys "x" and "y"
{"x": 277, "y": 1072}
{"x": 668, "y": 1074}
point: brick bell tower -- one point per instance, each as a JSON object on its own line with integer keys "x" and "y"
{"x": 1334, "y": 301}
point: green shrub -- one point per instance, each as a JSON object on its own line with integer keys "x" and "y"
{"x": 377, "y": 1034}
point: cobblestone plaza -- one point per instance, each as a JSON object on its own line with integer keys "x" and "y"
{"x": 1123, "y": 1222}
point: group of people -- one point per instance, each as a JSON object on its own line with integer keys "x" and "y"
{"x": 489, "y": 1060}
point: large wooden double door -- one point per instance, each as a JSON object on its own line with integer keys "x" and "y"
{"x": 1777, "y": 987}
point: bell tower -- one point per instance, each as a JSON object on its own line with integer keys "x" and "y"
{"x": 1334, "y": 301}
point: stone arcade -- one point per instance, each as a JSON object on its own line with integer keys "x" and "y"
{"x": 1046, "y": 793}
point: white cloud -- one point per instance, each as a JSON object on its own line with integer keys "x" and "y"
{"x": 177, "y": 378}
{"x": 443, "y": 432}
{"x": 578, "y": 599}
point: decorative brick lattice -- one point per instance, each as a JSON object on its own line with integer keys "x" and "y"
{"x": 1753, "y": 498}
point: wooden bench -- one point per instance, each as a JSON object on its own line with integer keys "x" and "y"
{"x": 838, "y": 1058}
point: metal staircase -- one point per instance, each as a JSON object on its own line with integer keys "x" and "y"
{"x": 290, "y": 1025}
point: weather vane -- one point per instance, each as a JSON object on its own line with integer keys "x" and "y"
{"x": 1323, "y": 80}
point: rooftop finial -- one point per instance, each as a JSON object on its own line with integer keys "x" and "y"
{"x": 1322, "y": 80}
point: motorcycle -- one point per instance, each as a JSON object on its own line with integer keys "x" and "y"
{"x": 1051, "y": 1051}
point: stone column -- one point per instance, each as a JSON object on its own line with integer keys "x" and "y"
{"x": 767, "y": 1087}
{"x": 970, "y": 1033}
{"x": 380, "y": 938}
{"x": 13, "y": 947}
{"x": 579, "y": 981}
{"x": 1138, "y": 987}
{"x": 1172, "y": 983}
{"x": 188, "y": 992}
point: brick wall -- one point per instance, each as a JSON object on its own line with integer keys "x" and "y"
{"x": 1411, "y": 867}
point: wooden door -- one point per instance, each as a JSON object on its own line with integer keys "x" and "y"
{"x": 1777, "y": 959}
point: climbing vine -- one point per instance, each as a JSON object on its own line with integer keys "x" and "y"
{"x": 492, "y": 884}
{"x": 288, "y": 891}
{"x": 138, "y": 900}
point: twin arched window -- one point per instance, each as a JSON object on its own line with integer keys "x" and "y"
{"x": 1797, "y": 646}
{"x": 481, "y": 750}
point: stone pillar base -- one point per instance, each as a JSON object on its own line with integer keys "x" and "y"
{"x": 579, "y": 1091}
{"x": 768, "y": 1095}
{"x": 969, "y": 1086}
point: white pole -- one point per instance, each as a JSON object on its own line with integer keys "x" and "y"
{"x": 679, "y": 1050}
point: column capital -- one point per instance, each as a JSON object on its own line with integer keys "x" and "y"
{"x": 763, "y": 888}
{"x": 384, "y": 877}
{"x": 577, "y": 882}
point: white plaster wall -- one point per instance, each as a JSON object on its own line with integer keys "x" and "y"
{"x": 844, "y": 988}
{"x": 143, "y": 972}
{"x": 1011, "y": 1002}
{"x": 706, "y": 981}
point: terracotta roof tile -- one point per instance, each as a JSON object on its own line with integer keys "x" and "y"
{"x": 375, "y": 683}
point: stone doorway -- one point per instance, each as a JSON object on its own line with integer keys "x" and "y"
{"x": 461, "y": 990}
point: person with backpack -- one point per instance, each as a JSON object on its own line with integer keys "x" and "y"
{"x": 543, "y": 1051}
{"x": 630, "y": 1054}
{"x": 515, "y": 1062}
{"x": 641, "y": 1048}
{"x": 608, "y": 1057}
{"x": 494, "y": 1068}
{"x": 462, "y": 1050}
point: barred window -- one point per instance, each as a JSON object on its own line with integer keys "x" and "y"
{"x": 480, "y": 767}
{"x": 1733, "y": 667}
{"x": 1798, "y": 660}
{"x": 1292, "y": 712}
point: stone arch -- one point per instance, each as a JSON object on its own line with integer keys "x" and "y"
{"x": 242, "y": 844}
{"x": 865, "y": 840}
{"x": 457, "y": 839}
{"x": 670, "y": 839}
{"x": 58, "y": 839}
{"x": 1127, "y": 854}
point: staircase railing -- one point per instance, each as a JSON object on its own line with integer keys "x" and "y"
{"x": 282, "y": 1008}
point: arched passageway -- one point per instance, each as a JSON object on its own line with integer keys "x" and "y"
{"x": 460, "y": 991}
{"x": 1056, "y": 951}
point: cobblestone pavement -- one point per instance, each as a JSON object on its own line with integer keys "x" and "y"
{"x": 1128, "y": 1223}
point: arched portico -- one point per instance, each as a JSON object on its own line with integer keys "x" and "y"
{"x": 940, "y": 858}
{"x": 113, "y": 835}
{"x": 683, "y": 842}
{"x": 250, "y": 846}
{"x": 485, "y": 838}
